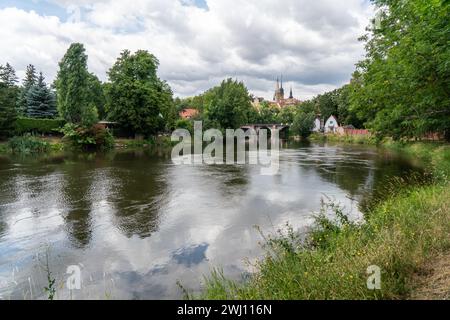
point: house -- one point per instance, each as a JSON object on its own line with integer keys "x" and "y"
{"x": 318, "y": 125}
{"x": 189, "y": 113}
{"x": 331, "y": 125}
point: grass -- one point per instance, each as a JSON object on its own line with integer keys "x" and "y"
{"x": 400, "y": 235}
{"x": 28, "y": 144}
{"x": 354, "y": 139}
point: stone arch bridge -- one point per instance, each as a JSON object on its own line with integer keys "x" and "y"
{"x": 283, "y": 128}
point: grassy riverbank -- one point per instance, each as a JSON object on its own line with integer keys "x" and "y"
{"x": 400, "y": 235}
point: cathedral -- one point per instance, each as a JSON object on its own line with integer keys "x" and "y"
{"x": 279, "y": 97}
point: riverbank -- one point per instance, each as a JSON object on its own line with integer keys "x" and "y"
{"x": 45, "y": 145}
{"x": 401, "y": 235}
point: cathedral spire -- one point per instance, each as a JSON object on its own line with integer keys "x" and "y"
{"x": 291, "y": 96}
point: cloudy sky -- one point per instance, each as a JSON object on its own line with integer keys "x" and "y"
{"x": 313, "y": 43}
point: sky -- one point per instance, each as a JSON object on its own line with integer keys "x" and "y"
{"x": 313, "y": 44}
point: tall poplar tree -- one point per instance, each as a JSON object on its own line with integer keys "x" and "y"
{"x": 72, "y": 85}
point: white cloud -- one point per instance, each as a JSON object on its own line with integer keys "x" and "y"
{"x": 313, "y": 43}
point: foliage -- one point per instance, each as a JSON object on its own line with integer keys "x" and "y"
{"x": 399, "y": 235}
{"x": 40, "y": 100}
{"x": 96, "y": 97}
{"x": 136, "y": 98}
{"x": 228, "y": 105}
{"x": 28, "y": 144}
{"x": 267, "y": 114}
{"x": 94, "y": 137}
{"x": 72, "y": 85}
{"x": 403, "y": 86}
{"x": 184, "y": 124}
{"x": 8, "y": 99}
{"x": 30, "y": 80}
{"x": 8, "y": 75}
{"x": 287, "y": 115}
{"x": 303, "y": 123}
{"x": 41, "y": 126}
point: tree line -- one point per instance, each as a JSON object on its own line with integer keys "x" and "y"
{"x": 401, "y": 88}
{"x": 134, "y": 96}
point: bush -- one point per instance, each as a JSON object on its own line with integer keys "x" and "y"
{"x": 95, "y": 137}
{"x": 38, "y": 126}
{"x": 28, "y": 144}
{"x": 184, "y": 124}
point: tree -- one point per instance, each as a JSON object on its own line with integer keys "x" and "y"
{"x": 403, "y": 86}
{"x": 40, "y": 100}
{"x": 228, "y": 105}
{"x": 8, "y": 75}
{"x": 8, "y": 100}
{"x": 268, "y": 113}
{"x": 287, "y": 115}
{"x": 136, "y": 98}
{"x": 29, "y": 81}
{"x": 326, "y": 104}
{"x": 72, "y": 85}
{"x": 303, "y": 123}
{"x": 96, "y": 96}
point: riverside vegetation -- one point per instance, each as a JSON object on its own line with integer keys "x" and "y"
{"x": 399, "y": 234}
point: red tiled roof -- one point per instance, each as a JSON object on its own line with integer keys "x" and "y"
{"x": 188, "y": 113}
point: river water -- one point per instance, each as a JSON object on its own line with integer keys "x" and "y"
{"x": 135, "y": 224}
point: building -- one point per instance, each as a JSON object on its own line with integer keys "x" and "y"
{"x": 332, "y": 125}
{"x": 279, "y": 97}
{"x": 318, "y": 125}
{"x": 188, "y": 113}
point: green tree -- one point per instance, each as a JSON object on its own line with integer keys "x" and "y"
{"x": 268, "y": 113}
{"x": 8, "y": 75}
{"x": 72, "y": 85}
{"x": 326, "y": 104}
{"x": 136, "y": 98}
{"x": 8, "y": 100}
{"x": 287, "y": 115}
{"x": 29, "y": 81}
{"x": 303, "y": 123}
{"x": 402, "y": 87}
{"x": 96, "y": 96}
{"x": 228, "y": 105}
{"x": 41, "y": 100}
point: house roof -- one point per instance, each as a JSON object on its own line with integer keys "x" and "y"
{"x": 188, "y": 113}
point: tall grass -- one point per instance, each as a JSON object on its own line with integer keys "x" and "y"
{"x": 28, "y": 144}
{"x": 399, "y": 235}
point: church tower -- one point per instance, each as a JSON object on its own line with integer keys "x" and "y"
{"x": 279, "y": 91}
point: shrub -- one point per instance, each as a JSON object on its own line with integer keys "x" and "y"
{"x": 28, "y": 144}
{"x": 41, "y": 126}
{"x": 184, "y": 124}
{"x": 95, "y": 137}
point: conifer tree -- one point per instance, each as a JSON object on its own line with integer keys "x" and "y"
{"x": 8, "y": 99}
{"x": 40, "y": 100}
{"x": 30, "y": 80}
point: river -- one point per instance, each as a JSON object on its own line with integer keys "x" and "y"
{"x": 135, "y": 224}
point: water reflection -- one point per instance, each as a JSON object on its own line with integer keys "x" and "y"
{"x": 138, "y": 224}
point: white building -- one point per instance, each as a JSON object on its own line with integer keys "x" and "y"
{"x": 317, "y": 125}
{"x": 331, "y": 125}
